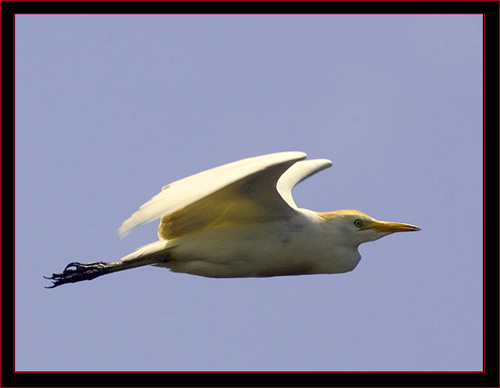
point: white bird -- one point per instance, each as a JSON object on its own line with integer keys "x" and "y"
{"x": 240, "y": 220}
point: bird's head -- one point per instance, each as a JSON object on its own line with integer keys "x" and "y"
{"x": 352, "y": 226}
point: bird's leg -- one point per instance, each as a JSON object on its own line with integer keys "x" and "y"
{"x": 75, "y": 272}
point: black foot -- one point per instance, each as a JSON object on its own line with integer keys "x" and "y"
{"x": 75, "y": 272}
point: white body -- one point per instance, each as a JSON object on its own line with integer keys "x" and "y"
{"x": 240, "y": 220}
{"x": 297, "y": 246}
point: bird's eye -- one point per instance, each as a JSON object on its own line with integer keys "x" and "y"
{"x": 358, "y": 223}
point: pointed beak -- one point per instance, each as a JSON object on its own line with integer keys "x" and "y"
{"x": 392, "y": 227}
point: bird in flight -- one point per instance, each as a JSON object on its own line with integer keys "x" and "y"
{"x": 240, "y": 220}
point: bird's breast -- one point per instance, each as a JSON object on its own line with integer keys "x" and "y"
{"x": 278, "y": 248}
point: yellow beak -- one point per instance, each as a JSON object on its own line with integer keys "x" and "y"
{"x": 392, "y": 227}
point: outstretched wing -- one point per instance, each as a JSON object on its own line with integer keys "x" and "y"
{"x": 242, "y": 191}
{"x": 297, "y": 173}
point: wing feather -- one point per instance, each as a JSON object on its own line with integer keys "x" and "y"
{"x": 220, "y": 194}
{"x": 297, "y": 173}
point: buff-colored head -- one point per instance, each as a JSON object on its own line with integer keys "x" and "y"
{"x": 358, "y": 227}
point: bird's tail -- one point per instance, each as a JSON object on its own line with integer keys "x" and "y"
{"x": 157, "y": 250}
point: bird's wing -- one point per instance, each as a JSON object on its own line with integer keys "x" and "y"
{"x": 297, "y": 173}
{"x": 243, "y": 191}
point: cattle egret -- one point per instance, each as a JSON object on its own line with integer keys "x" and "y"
{"x": 240, "y": 220}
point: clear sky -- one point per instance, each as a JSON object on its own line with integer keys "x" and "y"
{"x": 111, "y": 108}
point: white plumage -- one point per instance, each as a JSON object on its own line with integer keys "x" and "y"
{"x": 257, "y": 175}
{"x": 240, "y": 220}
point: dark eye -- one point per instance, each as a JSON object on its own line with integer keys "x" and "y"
{"x": 358, "y": 223}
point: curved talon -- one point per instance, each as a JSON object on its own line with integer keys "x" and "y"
{"x": 55, "y": 278}
{"x": 75, "y": 264}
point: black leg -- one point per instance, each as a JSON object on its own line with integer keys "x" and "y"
{"x": 75, "y": 272}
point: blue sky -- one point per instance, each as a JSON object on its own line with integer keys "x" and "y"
{"x": 111, "y": 108}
